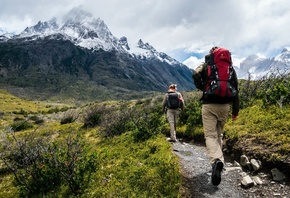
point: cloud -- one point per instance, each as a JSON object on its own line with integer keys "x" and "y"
{"x": 16, "y": 15}
{"x": 246, "y": 27}
{"x": 193, "y": 62}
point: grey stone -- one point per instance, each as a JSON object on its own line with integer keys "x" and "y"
{"x": 247, "y": 181}
{"x": 257, "y": 180}
{"x": 236, "y": 164}
{"x": 256, "y": 164}
{"x": 277, "y": 175}
{"x": 244, "y": 160}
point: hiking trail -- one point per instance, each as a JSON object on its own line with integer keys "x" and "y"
{"x": 196, "y": 177}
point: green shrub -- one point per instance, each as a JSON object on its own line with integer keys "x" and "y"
{"x": 54, "y": 110}
{"x": 278, "y": 95}
{"x": 69, "y": 117}
{"x": 146, "y": 126}
{"x": 93, "y": 116}
{"x": 191, "y": 118}
{"x": 41, "y": 166}
{"x": 21, "y": 125}
{"x": 272, "y": 89}
{"x": 21, "y": 112}
{"x": 147, "y": 120}
{"x": 116, "y": 121}
{"x": 248, "y": 92}
{"x": 260, "y": 131}
{"x": 36, "y": 119}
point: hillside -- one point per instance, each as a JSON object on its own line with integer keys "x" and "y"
{"x": 125, "y": 138}
{"x": 82, "y": 60}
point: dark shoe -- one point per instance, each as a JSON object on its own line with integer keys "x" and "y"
{"x": 172, "y": 140}
{"x": 216, "y": 172}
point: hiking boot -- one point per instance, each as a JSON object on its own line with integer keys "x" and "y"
{"x": 172, "y": 140}
{"x": 217, "y": 168}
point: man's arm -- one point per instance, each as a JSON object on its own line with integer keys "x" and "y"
{"x": 236, "y": 100}
{"x": 182, "y": 105}
{"x": 164, "y": 104}
{"x": 197, "y": 76}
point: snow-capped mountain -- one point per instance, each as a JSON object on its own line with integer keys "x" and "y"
{"x": 81, "y": 58}
{"x": 284, "y": 56}
{"x": 258, "y": 67}
{"x": 81, "y": 28}
{"x": 41, "y": 29}
{"x": 5, "y": 35}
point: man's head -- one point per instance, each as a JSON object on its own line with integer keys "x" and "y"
{"x": 212, "y": 49}
{"x": 173, "y": 86}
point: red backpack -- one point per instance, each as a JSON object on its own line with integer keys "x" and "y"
{"x": 220, "y": 81}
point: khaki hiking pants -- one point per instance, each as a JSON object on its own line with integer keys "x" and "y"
{"x": 214, "y": 117}
{"x": 172, "y": 116}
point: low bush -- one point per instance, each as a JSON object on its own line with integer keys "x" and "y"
{"x": 116, "y": 120}
{"x": 146, "y": 125}
{"x": 92, "y": 116}
{"x": 253, "y": 134}
{"x": 69, "y": 117}
{"x": 42, "y": 166}
{"x": 20, "y": 125}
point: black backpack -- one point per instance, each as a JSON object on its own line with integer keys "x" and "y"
{"x": 173, "y": 101}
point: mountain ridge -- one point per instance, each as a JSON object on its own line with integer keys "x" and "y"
{"x": 83, "y": 59}
{"x": 257, "y": 67}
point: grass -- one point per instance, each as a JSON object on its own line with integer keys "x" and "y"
{"x": 10, "y": 103}
{"x": 127, "y": 168}
{"x": 135, "y": 169}
{"x": 8, "y": 190}
{"x": 12, "y": 107}
{"x": 263, "y": 131}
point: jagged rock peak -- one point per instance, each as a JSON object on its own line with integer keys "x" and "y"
{"x": 284, "y": 56}
{"x": 79, "y": 16}
{"x": 41, "y": 27}
{"x": 286, "y": 49}
{"x": 253, "y": 57}
{"x": 124, "y": 42}
{"x": 81, "y": 22}
{"x": 143, "y": 45}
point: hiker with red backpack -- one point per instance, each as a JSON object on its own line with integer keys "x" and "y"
{"x": 217, "y": 79}
{"x": 172, "y": 104}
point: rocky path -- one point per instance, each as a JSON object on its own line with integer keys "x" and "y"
{"x": 196, "y": 173}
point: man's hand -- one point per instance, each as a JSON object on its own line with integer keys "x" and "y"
{"x": 234, "y": 117}
{"x": 164, "y": 110}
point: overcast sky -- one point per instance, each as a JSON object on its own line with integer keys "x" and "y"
{"x": 180, "y": 28}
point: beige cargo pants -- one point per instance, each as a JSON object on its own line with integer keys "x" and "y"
{"x": 172, "y": 116}
{"x": 214, "y": 117}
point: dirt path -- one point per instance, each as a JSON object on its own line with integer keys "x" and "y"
{"x": 196, "y": 173}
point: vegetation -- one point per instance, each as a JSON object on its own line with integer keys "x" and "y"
{"x": 262, "y": 130}
{"x": 119, "y": 149}
{"x": 121, "y": 152}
